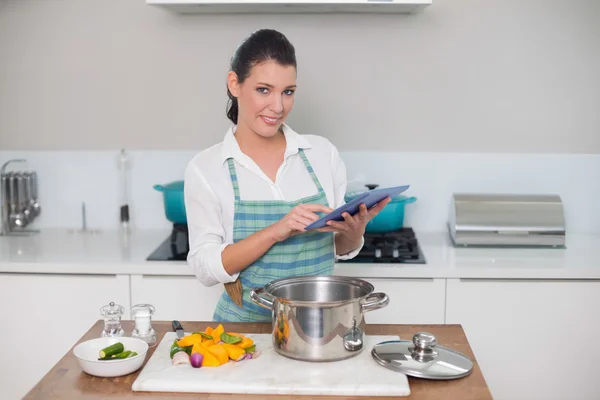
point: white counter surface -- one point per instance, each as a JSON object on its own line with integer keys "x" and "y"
{"x": 64, "y": 252}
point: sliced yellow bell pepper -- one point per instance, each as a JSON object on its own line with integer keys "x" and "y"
{"x": 235, "y": 352}
{"x": 189, "y": 340}
{"x": 216, "y": 334}
{"x": 220, "y": 353}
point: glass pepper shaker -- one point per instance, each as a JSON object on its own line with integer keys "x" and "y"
{"x": 142, "y": 314}
{"x": 112, "y": 314}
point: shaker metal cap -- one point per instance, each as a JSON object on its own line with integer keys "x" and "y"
{"x": 422, "y": 358}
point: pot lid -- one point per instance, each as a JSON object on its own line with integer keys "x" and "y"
{"x": 422, "y": 358}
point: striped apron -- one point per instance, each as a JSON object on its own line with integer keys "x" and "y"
{"x": 310, "y": 253}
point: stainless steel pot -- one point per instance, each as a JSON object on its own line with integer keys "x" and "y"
{"x": 318, "y": 318}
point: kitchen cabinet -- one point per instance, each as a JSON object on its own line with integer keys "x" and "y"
{"x": 43, "y": 315}
{"x": 176, "y": 297}
{"x": 412, "y": 301}
{"x": 533, "y": 339}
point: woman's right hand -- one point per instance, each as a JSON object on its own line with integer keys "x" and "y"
{"x": 296, "y": 220}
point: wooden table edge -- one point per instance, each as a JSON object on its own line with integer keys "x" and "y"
{"x": 162, "y": 327}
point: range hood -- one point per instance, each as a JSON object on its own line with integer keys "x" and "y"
{"x": 292, "y": 6}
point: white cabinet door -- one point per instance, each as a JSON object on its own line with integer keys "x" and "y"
{"x": 412, "y": 301}
{"x": 43, "y": 316}
{"x": 176, "y": 297}
{"x": 533, "y": 339}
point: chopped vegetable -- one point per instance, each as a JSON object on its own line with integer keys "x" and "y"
{"x": 123, "y": 354}
{"x": 220, "y": 353}
{"x": 216, "y": 334}
{"x": 181, "y": 357}
{"x": 214, "y": 347}
{"x": 236, "y": 353}
{"x": 189, "y": 340}
{"x": 196, "y": 348}
{"x": 196, "y": 360}
{"x": 227, "y": 338}
{"x": 112, "y": 349}
{"x": 208, "y": 360}
{"x": 246, "y": 342}
{"x": 175, "y": 348}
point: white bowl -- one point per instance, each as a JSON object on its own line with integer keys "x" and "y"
{"x": 87, "y": 354}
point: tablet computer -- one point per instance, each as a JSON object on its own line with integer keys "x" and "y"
{"x": 370, "y": 198}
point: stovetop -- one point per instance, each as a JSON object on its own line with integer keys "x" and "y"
{"x": 400, "y": 246}
{"x": 174, "y": 248}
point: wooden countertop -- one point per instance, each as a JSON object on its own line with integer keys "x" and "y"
{"x": 67, "y": 381}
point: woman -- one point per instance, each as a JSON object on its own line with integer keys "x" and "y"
{"x": 249, "y": 197}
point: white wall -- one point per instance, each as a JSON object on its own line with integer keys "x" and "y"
{"x": 68, "y": 178}
{"x": 471, "y": 95}
{"x": 464, "y": 76}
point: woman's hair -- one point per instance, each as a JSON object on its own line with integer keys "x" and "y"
{"x": 263, "y": 45}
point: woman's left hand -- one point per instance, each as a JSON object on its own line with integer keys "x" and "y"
{"x": 353, "y": 226}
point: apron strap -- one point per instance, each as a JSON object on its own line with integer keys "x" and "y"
{"x": 311, "y": 171}
{"x": 234, "y": 179}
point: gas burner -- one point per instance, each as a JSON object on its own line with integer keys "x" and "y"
{"x": 399, "y": 246}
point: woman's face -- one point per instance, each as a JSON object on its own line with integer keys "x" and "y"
{"x": 265, "y": 98}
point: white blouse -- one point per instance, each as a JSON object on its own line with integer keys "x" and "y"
{"x": 209, "y": 198}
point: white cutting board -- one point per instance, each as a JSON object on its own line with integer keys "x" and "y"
{"x": 272, "y": 373}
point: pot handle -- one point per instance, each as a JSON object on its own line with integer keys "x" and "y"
{"x": 409, "y": 200}
{"x": 160, "y": 188}
{"x": 262, "y": 298}
{"x": 374, "y": 301}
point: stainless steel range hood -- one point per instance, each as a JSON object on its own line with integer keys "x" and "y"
{"x": 293, "y": 6}
{"x": 509, "y": 220}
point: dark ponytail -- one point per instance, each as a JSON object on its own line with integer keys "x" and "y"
{"x": 263, "y": 45}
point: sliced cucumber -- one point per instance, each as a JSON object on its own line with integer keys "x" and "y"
{"x": 123, "y": 354}
{"x": 112, "y": 349}
{"x": 118, "y": 356}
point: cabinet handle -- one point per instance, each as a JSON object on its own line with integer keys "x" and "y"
{"x": 399, "y": 279}
{"x": 526, "y": 280}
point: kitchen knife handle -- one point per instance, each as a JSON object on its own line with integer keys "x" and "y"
{"x": 176, "y": 325}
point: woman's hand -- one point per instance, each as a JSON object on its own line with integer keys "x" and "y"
{"x": 296, "y": 220}
{"x": 353, "y": 227}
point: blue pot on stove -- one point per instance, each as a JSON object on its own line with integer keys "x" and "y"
{"x": 391, "y": 218}
{"x": 174, "y": 202}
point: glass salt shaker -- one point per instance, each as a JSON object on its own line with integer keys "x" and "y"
{"x": 112, "y": 314}
{"x": 142, "y": 314}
